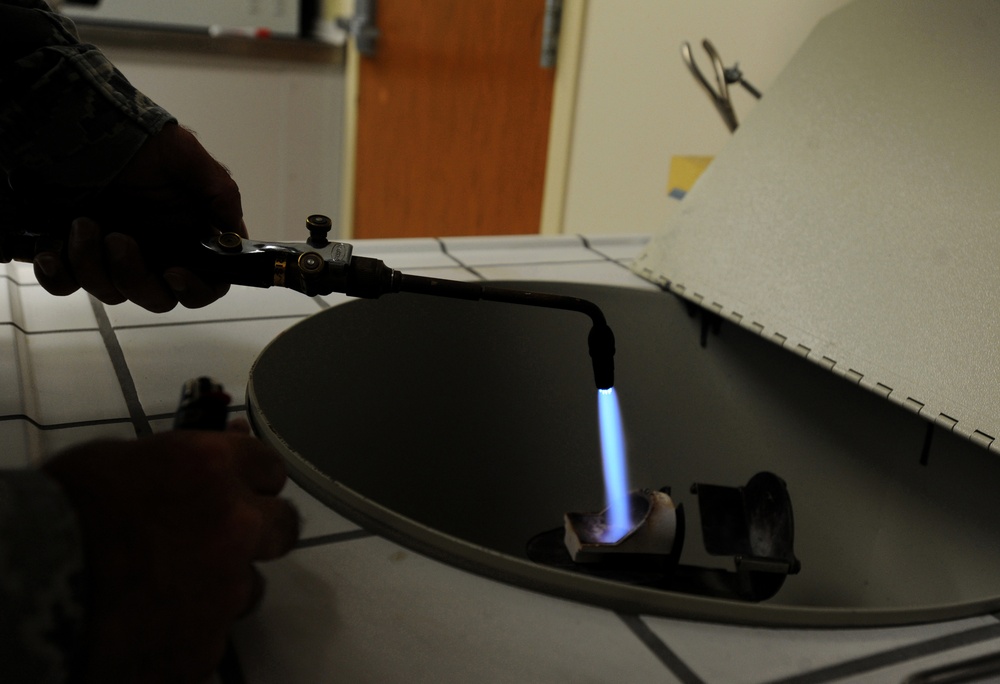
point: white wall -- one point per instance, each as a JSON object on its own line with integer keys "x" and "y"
{"x": 277, "y": 125}
{"x": 637, "y": 104}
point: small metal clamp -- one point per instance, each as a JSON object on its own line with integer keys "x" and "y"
{"x": 723, "y": 78}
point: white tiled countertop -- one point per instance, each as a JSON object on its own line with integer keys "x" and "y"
{"x": 348, "y": 605}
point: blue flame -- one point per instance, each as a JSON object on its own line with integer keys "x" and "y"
{"x": 619, "y": 515}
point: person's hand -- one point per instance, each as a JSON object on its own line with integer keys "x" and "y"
{"x": 169, "y": 194}
{"x": 172, "y": 525}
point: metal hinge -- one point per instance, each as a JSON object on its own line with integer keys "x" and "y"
{"x": 361, "y": 27}
{"x": 550, "y": 33}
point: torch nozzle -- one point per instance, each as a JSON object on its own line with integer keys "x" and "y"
{"x": 601, "y": 340}
{"x": 602, "y": 353}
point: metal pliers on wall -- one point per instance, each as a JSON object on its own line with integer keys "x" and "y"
{"x": 723, "y": 78}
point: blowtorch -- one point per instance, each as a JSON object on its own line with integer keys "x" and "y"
{"x": 320, "y": 267}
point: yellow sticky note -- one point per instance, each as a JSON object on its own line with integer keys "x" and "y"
{"x": 684, "y": 171}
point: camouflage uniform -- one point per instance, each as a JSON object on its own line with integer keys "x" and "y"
{"x": 68, "y": 118}
{"x": 69, "y": 122}
{"x": 42, "y": 586}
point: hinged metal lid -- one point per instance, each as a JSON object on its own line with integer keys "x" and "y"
{"x": 854, "y": 218}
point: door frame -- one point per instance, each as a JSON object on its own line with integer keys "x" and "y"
{"x": 560, "y": 124}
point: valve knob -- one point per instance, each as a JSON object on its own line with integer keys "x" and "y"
{"x": 318, "y": 226}
{"x": 230, "y": 242}
{"x": 311, "y": 263}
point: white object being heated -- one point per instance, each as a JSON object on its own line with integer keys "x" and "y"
{"x": 653, "y": 532}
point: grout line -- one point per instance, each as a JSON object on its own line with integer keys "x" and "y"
{"x": 12, "y": 281}
{"x": 333, "y": 538}
{"x": 175, "y": 324}
{"x": 11, "y": 417}
{"x": 459, "y": 262}
{"x": 62, "y": 426}
{"x": 981, "y": 668}
{"x": 471, "y": 269}
{"x": 663, "y": 652}
{"x": 628, "y": 269}
{"x": 32, "y": 333}
{"x": 125, "y": 381}
{"x": 474, "y": 272}
{"x": 894, "y": 656}
{"x": 591, "y": 248}
{"x": 444, "y": 250}
{"x": 595, "y": 250}
{"x": 514, "y": 264}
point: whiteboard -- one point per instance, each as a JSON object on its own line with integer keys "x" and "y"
{"x": 281, "y": 17}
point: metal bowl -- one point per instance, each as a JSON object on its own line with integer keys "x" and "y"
{"x": 463, "y": 429}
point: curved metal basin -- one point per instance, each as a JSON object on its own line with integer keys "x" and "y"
{"x": 463, "y": 429}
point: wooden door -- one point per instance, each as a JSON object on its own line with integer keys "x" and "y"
{"x": 453, "y": 120}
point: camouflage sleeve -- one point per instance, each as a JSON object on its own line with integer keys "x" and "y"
{"x": 68, "y": 118}
{"x": 41, "y": 580}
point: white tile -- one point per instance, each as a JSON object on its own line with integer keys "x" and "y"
{"x": 337, "y": 298}
{"x": 14, "y": 445}
{"x": 317, "y": 519}
{"x": 481, "y": 251}
{"x": 602, "y": 272}
{"x": 404, "y": 254}
{"x": 70, "y": 378}
{"x": 11, "y": 400}
{"x": 618, "y": 247}
{"x": 162, "y": 358}
{"x": 239, "y": 303}
{"x": 453, "y": 273}
{"x": 899, "y": 673}
{"x": 41, "y": 311}
{"x": 368, "y": 610}
{"x": 21, "y": 273}
{"x": 164, "y": 424}
{"x": 6, "y": 290}
{"x": 51, "y": 442}
{"x": 728, "y": 653}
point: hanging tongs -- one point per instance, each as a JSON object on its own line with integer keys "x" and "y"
{"x": 723, "y": 78}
